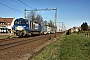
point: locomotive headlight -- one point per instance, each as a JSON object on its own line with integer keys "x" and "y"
{"x": 24, "y": 26}
{"x": 19, "y": 28}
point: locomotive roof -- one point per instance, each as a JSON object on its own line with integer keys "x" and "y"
{"x": 21, "y": 19}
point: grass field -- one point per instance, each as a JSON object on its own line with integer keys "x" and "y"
{"x": 75, "y": 47}
{"x": 72, "y": 47}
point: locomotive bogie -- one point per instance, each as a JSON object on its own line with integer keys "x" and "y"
{"x": 20, "y": 33}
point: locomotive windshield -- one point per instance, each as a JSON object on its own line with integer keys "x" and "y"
{"x": 21, "y": 22}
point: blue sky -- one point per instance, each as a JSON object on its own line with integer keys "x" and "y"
{"x": 71, "y": 12}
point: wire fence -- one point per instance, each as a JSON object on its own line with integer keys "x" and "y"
{"x": 87, "y": 34}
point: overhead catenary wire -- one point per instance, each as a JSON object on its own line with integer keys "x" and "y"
{"x": 28, "y": 5}
{"x": 14, "y": 1}
{"x": 10, "y": 7}
{"x": 25, "y": 4}
{"x": 39, "y": 5}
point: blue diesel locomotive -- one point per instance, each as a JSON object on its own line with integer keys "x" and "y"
{"x": 24, "y": 27}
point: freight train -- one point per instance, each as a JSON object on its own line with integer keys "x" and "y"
{"x": 24, "y": 27}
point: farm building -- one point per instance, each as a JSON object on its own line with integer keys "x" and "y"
{"x": 6, "y": 25}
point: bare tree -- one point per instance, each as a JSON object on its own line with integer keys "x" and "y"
{"x": 39, "y": 19}
{"x": 45, "y": 22}
{"x": 51, "y": 24}
{"x": 31, "y": 16}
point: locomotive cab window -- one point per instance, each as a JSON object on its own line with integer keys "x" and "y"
{"x": 21, "y": 22}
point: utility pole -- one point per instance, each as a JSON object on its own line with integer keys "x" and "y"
{"x": 55, "y": 20}
{"x": 44, "y": 10}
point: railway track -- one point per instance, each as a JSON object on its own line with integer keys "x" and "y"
{"x": 8, "y": 43}
{"x": 13, "y": 47}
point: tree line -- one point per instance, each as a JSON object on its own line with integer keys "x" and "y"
{"x": 37, "y": 18}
